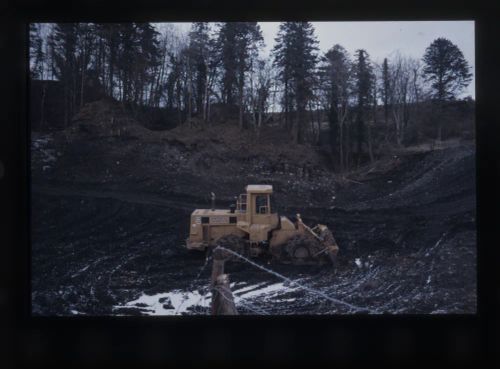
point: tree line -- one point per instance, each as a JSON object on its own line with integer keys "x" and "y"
{"x": 142, "y": 65}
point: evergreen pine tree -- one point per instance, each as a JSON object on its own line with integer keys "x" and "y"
{"x": 446, "y": 69}
{"x": 364, "y": 82}
{"x": 63, "y": 43}
{"x": 385, "y": 90}
{"x": 335, "y": 78}
{"x": 236, "y": 42}
{"x": 199, "y": 43}
{"x": 37, "y": 55}
{"x": 295, "y": 56}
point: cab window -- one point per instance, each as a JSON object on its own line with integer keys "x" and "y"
{"x": 261, "y": 204}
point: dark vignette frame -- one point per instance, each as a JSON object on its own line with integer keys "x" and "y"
{"x": 332, "y": 340}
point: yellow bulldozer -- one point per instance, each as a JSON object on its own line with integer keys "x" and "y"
{"x": 252, "y": 228}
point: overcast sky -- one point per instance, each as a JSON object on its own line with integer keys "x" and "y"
{"x": 381, "y": 39}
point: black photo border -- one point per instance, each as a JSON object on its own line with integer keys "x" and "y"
{"x": 459, "y": 340}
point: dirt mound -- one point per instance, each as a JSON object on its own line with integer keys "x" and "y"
{"x": 105, "y": 146}
{"x": 269, "y": 149}
{"x": 104, "y": 118}
{"x": 206, "y": 145}
{"x": 414, "y": 179}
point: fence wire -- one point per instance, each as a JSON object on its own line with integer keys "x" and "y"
{"x": 191, "y": 286}
{"x": 301, "y": 286}
{"x": 246, "y": 305}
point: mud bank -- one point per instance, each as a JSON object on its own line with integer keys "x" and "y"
{"x": 91, "y": 254}
{"x": 110, "y": 217}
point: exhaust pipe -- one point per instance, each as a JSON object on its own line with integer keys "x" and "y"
{"x": 212, "y": 196}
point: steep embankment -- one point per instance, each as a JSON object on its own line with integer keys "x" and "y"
{"x": 106, "y": 148}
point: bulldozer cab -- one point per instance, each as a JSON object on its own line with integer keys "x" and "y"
{"x": 255, "y": 208}
{"x": 255, "y": 203}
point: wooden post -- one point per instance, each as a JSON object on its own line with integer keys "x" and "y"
{"x": 217, "y": 269}
{"x": 222, "y": 297}
{"x": 223, "y": 300}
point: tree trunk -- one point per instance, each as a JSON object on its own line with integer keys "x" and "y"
{"x": 240, "y": 118}
{"x": 179, "y": 103}
{"x": 205, "y": 103}
{"x": 42, "y": 105}
{"x": 370, "y": 145}
{"x": 73, "y": 91}
{"x": 440, "y": 121}
{"x": 397, "y": 124}
{"x": 259, "y": 120}
{"x": 189, "y": 105}
{"x": 359, "y": 139}
{"x": 341, "y": 146}
{"x": 386, "y": 112}
{"x": 297, "y": 127}
{"x": 111, "y": 68}
{"x": 82, "y": 82}
{"x": 208, "y": 111}
{"x": 347, "y": 147}
{"x": 319, "y": 118}
{"x": 286, "y": 106}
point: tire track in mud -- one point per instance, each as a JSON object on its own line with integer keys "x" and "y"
{"x": 121, "y": 248}
{"x": 133, "y": 268}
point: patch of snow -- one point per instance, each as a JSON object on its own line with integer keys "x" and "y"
{"x": 180, "y": 301}
{"x": 247, "y": 288}
{"x": 439, "y": 311}
{"x": 269, "y": 291}
{"x": 48, "y": 155}
{"x": 80, "y": 271}
{"x": 286, "y": 300}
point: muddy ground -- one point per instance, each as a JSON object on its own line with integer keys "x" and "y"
{"x": 111, "y": 206}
